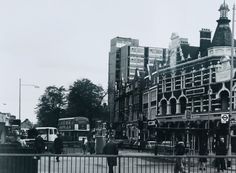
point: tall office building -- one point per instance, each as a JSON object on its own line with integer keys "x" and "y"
{"x": 114, "y": 68}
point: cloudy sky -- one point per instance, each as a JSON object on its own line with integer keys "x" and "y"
{"x": 55, "y": 42}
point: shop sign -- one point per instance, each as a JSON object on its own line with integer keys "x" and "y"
{"x": 188, "y": 114}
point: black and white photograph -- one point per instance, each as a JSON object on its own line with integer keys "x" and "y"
{"x": 117, "y": 86}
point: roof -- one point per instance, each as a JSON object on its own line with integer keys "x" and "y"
{"x": 187, "y": 50}
{"x": 77, "y": 118}
{"x": 45, "y": 128}
{"x": 222, "y": 36}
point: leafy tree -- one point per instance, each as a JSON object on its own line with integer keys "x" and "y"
{"x": 84, "y": 99}
{"x": 51, "y": 106}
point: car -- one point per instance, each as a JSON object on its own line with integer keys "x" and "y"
{"x": 151, "y": 144}
{"x": 166, "y": 143}
{"x": 119, "y": 142}
{"x": 135, "y": 144}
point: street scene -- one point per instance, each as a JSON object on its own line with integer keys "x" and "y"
{"x": 118, "y": 87}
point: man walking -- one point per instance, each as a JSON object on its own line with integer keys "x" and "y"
{"x": 111, "y": 149}
{"x": 39, "y": 145}
{"x": 179, "y": 151}
{"x": 220, "y": 151}
{"x": 58, "y": 146}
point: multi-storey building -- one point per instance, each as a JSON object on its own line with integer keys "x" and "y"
{"x": 195, "y": 82}
{"x": 184, "y": 94}
{"x": 135, "y": 62}
{"x": 114, "y": 68}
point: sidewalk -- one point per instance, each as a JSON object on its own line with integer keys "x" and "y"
{"x": 129, "y": 152}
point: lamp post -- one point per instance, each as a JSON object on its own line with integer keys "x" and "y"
{"x": 231, "y": 82}
{"x": 20, "y": 85}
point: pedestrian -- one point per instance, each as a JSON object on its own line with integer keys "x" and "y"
{"x": 21, "y": 142}
{"x": 84, "y": 145}
{"x": 203, "y": 151}
{"x": 179, "y": 151}
{"x": 91, "y": 146}
{"x": 139, "y": 146}
{"x": 58, "y": 146}
{"x": 39, "y": 145}
{"x": 111, "y": 149}
{"x": 155, "y": 149}
{"x": 221, "y": 150}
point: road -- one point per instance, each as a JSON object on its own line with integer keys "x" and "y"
{"x": 129, "y": 164}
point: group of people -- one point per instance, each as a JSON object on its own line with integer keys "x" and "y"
{"x": 111, "y": 148}
{"x": 39, "y": 146}
{"x": 88, "y": 146}
{"x": 219, "y": 162}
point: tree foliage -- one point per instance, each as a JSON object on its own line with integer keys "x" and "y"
{"x": 51, "y": 106}
{"x": 84, "y": 99}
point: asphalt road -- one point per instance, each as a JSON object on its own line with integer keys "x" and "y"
{"x": 129, "y": 164}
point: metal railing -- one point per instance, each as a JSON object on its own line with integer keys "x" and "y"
{"x": 78, "y": 163}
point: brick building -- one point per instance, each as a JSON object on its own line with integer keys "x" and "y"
{"x": 183, "y": 93}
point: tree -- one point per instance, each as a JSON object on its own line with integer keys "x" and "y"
{"x": 51, "y": 106}
{"x": 84, "y": 99}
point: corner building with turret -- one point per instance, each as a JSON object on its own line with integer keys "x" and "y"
{"x": 183, "y": 95}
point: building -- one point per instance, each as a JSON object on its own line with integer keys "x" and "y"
{"x": 27, "y": 124}
{"x": 114, "y": 68}
{"x": 128, "y": 61}
{"x": 185, "y": 93}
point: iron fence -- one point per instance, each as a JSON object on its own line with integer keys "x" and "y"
{"x": 78, "y": 163}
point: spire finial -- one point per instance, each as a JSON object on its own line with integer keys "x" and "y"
{"x": 224, "y": 9}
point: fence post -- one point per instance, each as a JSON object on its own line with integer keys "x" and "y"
{"x": 119, "y": 165}
{"x": 49, "y": 164}
{"x": 189, "y": 164}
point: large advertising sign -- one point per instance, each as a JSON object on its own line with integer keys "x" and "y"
{"x": 223, "y": 70}
{"x": 136, "y": 50}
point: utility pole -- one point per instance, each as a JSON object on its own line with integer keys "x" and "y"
{"x": 231, "y": 83}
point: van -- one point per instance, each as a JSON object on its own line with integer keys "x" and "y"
{"x": 47, "y": 133}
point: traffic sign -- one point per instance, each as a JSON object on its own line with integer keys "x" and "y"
{"x": 224, "y": 118}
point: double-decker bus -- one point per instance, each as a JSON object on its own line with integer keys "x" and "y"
{"x": 74, "y": 128}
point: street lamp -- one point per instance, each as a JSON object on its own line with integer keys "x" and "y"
{"x": 20, "y": 85}
{"x": 231, "y": 82}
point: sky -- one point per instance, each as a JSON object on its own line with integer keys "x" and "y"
{"x": 56, "y": 42}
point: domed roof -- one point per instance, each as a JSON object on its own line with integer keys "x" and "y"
{"x": 222, "y": 36}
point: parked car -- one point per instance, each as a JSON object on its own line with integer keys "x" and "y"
{"x": 151, "y": 144}
{"x": 136, "y": 145}
{"x": 166, "y": 143}
{"x": 166, "y": 147}
{"x": 119, "y": 142}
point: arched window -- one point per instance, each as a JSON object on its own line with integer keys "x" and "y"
{"x": 183, "y": 104}
{"x": 163, "y": 107}
{"x": 173, "y": 106}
